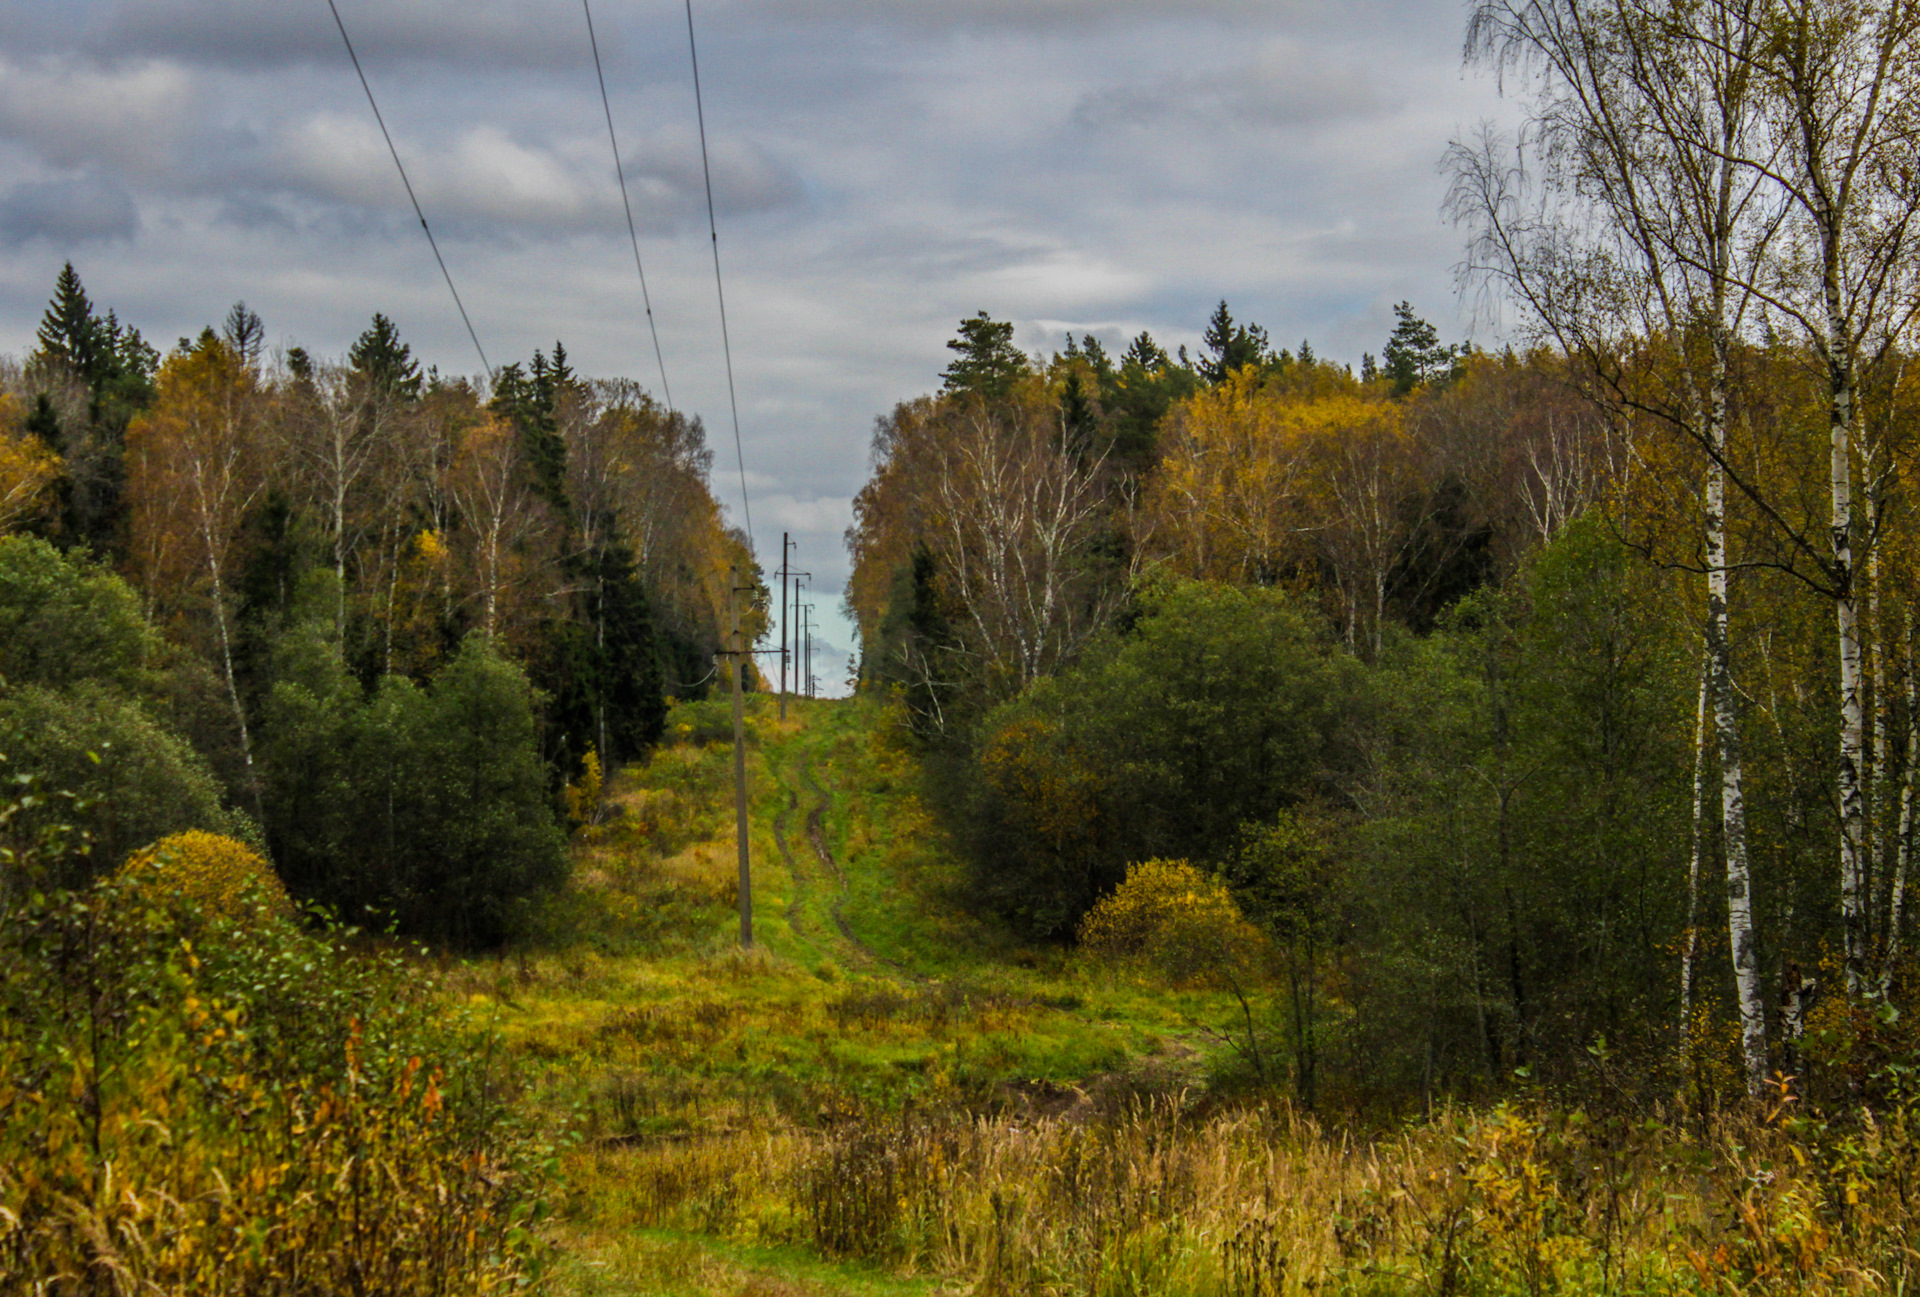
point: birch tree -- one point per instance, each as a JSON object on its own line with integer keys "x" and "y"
{"x": 1015, "y": 517}
{"x": 339, "y": 435}
{"x": 195, "y": 471}
{"x": 1647, "y": 210}
{"x": 501, "y": 513}
{"x": 1844, "y": 83}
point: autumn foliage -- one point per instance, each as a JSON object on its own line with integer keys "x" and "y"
{"x": 253, "y": 1109}
{"x": 209, "y": 875}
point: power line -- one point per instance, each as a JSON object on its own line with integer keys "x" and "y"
{"x": 388, "y": 137}
{"x": 713, "y": 233}
{"x": 632, "y": 237}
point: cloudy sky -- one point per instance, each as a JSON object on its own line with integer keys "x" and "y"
{"x": 881, "y": 168}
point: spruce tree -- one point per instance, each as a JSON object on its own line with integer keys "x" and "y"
{"x": 1414, "y": 354}
{"x": 245, "y": 333}
{"x": 69, "y": 333}
{"x": 385, "y": 361}
{"x": 1231, "y": 347}
{"x": 117, "y": 368}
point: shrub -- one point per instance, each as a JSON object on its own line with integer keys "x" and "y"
{"x": 428, "y": 807}
{"x": 135, "y": 781}
{"x": 64, "y": 620}
{"x": 1181, "y": 922}
{"x": 215, "y": 876}
{"x": 1222, "y": 706}
{"x": 267, "y": 1111}
{"x": 1175, "y": 918}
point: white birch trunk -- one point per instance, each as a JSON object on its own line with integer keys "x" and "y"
{"x": 1726, "y": 726}
{"x": 1878, "y": 721}
{"x": 1691, "y": 948}
{"x": 1897, "y": 895}
{"x": 1847, "y": 775}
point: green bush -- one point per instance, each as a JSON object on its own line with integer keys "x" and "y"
{"x": 1222, "y": 706}
{"x": 424, "y": 807}
{"x": 134, "y": 780}
{"x": 64, "y": 620}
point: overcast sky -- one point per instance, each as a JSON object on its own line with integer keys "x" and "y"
{"x": 881, "y": 169}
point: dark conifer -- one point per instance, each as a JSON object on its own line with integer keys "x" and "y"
{"x": 385, "y": 361}
{"x": 987, "y": 363}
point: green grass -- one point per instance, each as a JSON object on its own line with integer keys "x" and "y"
{"x": 637, "y": 1018}
{"x": 675, "y": 1264}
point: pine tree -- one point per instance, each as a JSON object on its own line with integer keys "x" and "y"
{"x": 1145, "y": 354}
{"x": 117, "y": 367}
{"x": 1097, "y": 357}
{"x": 1077, "y": 418}
{"x": 988, "y": 363}
{"x": 245, "y": 333}
{"x": 69, "y": 333}
{"x": 533, "y": 403}
{"x": 1414, "y": 354}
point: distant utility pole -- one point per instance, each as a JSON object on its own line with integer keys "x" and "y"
{"x": 737, "y": 639}
{"x": 786, "y": 570}
{"x": 799, "y": 676}
{"x": 806, "y": 627}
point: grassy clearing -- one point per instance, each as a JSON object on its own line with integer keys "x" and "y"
{"x": 891, "y": 1096}
{"x": 868, "y": 983}
{"x": 871, "y": 988}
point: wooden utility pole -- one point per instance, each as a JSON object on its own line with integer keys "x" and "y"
{"x": 737, "y": 651}
{"x": 799, "y": 674}
{"x": 785, "y": 544}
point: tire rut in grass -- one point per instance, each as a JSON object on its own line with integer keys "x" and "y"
{"x": 817, "y": 836}
{"x": 802, "y": 878}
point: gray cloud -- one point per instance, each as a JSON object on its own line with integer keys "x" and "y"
{"x": 67, "y": 213}
{"x": 71, "y": 112}
{"x": 250, "y": 34}
{"x": 487, "y": 178}
{"x": 1288, "y": 85}
{"x": 1016, "y": 14}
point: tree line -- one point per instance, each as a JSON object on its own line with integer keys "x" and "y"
{"x": 372, "y": 615}
{"x": 1558, "y": 700}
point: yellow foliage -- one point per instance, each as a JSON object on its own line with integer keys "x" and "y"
{"x": 429, "y": 548}
{"x": 1254, "y": 474}
{"x": 583, "y": 794}
{"x": 1172, "y": 915}
{"x": 213, "y": 874}
{"x": 27, "y": 469}
{"x": 173, "y": 1138}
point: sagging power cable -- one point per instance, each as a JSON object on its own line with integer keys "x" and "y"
{"x": 619, "y": 170}
{"x": 401, "y": 168}
{"x": 713, "y": 234}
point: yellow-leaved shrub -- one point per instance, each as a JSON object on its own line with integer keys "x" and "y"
{"x": 209, "y": 873}
{"x": 1173, "y": 916}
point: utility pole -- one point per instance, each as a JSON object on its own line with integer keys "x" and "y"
{"x": 786, "y": 570}
{"x": 785, "y": 545}
{"x": 737, "y": 639}
{"x": 799, "y": 674}
{"x": 806, "y": 627}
